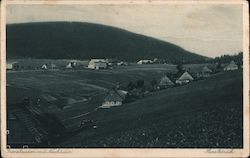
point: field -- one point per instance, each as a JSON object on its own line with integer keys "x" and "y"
{"x": 205, "y": 113}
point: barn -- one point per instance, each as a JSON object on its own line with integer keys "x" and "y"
{"x": 231, "y": 66}
{"x": 185, "y": 78}
{"x": 97, "y": 64}
{"x": 114, "y": 98}
{"x": 165, "y": 82}
{"x": 205, "y": 72}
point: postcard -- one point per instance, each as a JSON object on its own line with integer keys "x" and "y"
{"x": 125, "y": 78}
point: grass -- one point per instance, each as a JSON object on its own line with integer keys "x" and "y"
{"x": 206, "y": 113}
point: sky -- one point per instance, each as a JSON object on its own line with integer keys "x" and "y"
{"x": 207, "y": 29}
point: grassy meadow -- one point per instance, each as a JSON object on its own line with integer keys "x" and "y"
{"x": 205, "y": 113}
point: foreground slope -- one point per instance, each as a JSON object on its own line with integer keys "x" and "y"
{"x": 205, "y": 113}
{"x": 62, "y": 40}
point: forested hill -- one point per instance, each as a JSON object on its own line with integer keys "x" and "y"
{"x": 75, "y": 40}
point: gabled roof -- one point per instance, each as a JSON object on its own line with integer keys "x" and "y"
{"x": 165, "y": 81}
{"x": 206, "y": 69}
{"x": 232, "y": 64}
{"x": 185, "y": 76}
{"x": 44, "y": 66}
{"x": 116, "y": 95}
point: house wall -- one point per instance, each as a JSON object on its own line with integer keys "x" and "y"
{"x": 9, "y": 66}
{"x": 97, "y": 65}
{"x": 231, "y": 68}
{"x": 112, "y": 103}
{"x": 182, "y": 81}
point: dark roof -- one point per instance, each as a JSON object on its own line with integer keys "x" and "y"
{"x": 165, "y": 81}
{"x": 231, "y": 65}
{"x": 206, "y": 70}
{"x": 185, "y": 76}
{"x": 28, "y": 121}
{"x": 116, "y": 95}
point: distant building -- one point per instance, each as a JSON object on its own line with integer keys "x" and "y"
{"x": 71, "y": 65}
{"x": 145, "y": 62}
{"x": 165, "y": 82}
{"x": 205, "y": 72}
{"x": 44, "y": 67}
{"x": 114, "y": 98}
{"x": 97, "y": 64}
{"x": 231, "y": 66}
{"x": 122, "y": 63}
{"x": 185, "y": 78}
{"x": 10, "y": 65}
{"x": 112, "y": 62}
{"x": 52, "y": 66}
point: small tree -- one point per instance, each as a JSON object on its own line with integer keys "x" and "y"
{"x": 139, "y": 83}
{"x": 130, "y": 86}
{"x": 179, "y": 68}
{"x": 153, "y": 84}
{"x": 218, "y": 66}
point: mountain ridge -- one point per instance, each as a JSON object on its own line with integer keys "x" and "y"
{"x": 60, "y": 40}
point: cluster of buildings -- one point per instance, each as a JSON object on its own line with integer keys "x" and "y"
{"x": 33, "y": 66}
{"x": 105, "y": 63}
{"x": 92, "y": 64}
{"x": 118, "y": 97}
{"x": 231, "y": 66}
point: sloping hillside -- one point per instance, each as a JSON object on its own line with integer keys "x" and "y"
{"x": 67, "y": 40}
{"x": 205, "y": 113}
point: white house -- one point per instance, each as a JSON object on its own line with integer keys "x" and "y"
{"x": 97, "y": 64}
{"x": 231, "y": 66}
{"x": 10, "y": 65}
{"x": 44, "y": 67}
{"x": 114, "y": 98}
{"x": 185, "y": 78}
{"x": 71, "y": 64}
{"x": 145, "y": 62}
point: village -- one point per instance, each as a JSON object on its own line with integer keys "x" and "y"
{"x": 49, "y": 110}
{"x": 119, "y": 95}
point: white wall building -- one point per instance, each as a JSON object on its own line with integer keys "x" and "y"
{"x": 145, "y": 62}
{"x": 9, "y": 65}
{"x": 44, "y": 66}
{"x": 114, "y": 98}
{"x": 97, "y": 64}
{"x": 231, "y": 66}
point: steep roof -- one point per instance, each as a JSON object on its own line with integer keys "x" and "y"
{"x": 231, "y": 65}
{"x": 165, "y": 81}
{"x": 116, "y": 95}
{"x": 206, "y": 69}
{"x": 185, "y": 76}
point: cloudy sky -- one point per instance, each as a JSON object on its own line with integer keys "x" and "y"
{"x": 209, "y": 30}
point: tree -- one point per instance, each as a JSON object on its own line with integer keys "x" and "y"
{"x": 218, "y": 65}
{"x": 139, "y": 83}
{"x": 130, "y": 86}
{"x": 179, "y": 68}
{"x": 153, "y": 84}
